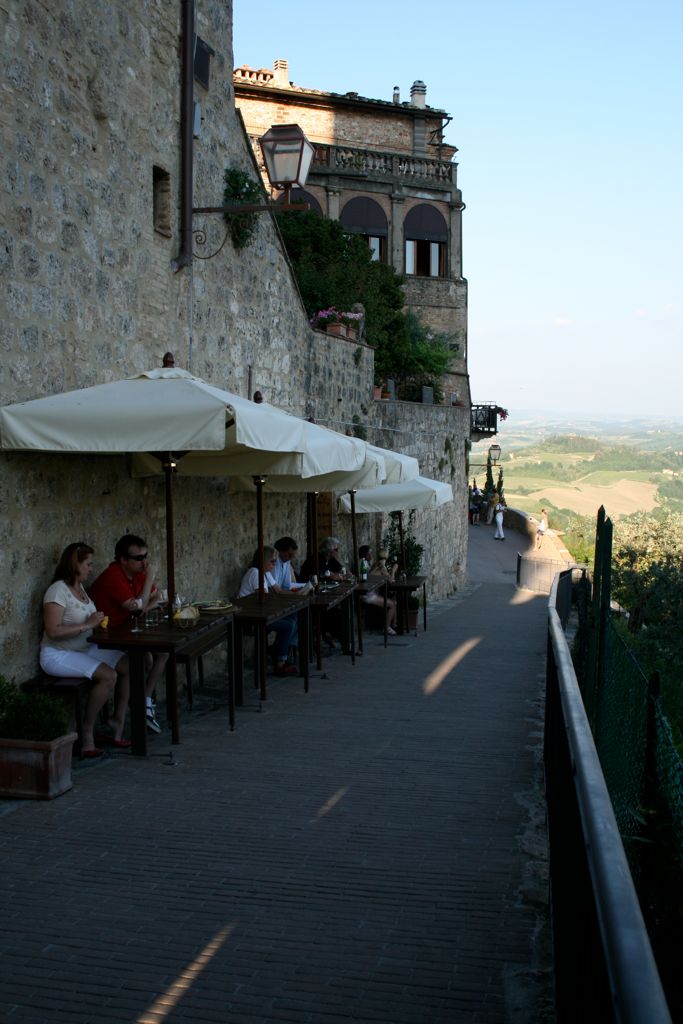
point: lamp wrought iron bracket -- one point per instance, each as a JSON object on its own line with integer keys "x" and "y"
{"x": 251, "y": 208}
{"x": 199, "y": 234}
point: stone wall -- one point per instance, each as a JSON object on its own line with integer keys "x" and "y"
{"x": 90, "y": 107}
{"x": 331, "y": 121}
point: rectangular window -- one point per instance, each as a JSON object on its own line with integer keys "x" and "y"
{"x": 161, "y": 211}
{"x": 425, "y": 259}
{"x": 202, "y": 61}
{"x": 410, "y": 257}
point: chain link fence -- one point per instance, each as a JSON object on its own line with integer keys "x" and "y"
{"x": 642, "y": 768}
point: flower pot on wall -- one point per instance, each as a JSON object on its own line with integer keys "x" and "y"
{"x": 351, "y": 333}
{"x": 338, "y": 329}
{"x": 377, "y": 391}
{"x": 33, "y": 769}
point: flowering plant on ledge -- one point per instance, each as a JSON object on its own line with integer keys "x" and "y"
{"x": 501, "y": 413}
{"x": 326, "y": 316}
{"x": 350, "y": 319}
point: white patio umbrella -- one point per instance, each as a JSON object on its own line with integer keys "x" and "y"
{"x": 419, "y": 493}
{"x": 411, "y": 494}
{"x": 183, "y": 422}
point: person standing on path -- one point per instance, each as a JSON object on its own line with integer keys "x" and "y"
{"x": 542, "y": 527}
{"x": 499, "y": 535}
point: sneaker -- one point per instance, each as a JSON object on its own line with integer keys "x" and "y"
{"x": 152, "y": 721}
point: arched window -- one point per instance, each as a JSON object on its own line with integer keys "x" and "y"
{"x": 300, "y": 195}
{"x": 426, "y": 237}
{"x": 363, "y": 216}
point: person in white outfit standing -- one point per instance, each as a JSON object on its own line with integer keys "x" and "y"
{"x": 499, "y": 535}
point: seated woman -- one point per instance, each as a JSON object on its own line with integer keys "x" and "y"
{"x": 379, "y": 568}
{"x": 283, "y": 628}
{"x": 69, "y": 617}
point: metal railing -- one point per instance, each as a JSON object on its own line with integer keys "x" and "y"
{"x": 604, "y": 966}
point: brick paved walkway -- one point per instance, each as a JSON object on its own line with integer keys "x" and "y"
{"x": 373, "y": 851}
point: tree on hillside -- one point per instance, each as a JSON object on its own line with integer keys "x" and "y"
{"x": 488, "y": 486}
{"x": 500, "y": 485}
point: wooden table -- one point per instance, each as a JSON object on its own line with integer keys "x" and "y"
{"x": 326, "y": 599}
{"x": 166, "y": 637}
{"x": 403, "y": 589}
{"x": 250, "y": 614}
{"x": 371, "y": 585}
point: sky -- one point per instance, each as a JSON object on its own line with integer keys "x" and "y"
{"x": 568, "y": 118}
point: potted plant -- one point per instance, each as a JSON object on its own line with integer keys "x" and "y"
{"x": 329, "y": 320}
{"x": 351, "y": 321}
{"x": 35, "y": 745}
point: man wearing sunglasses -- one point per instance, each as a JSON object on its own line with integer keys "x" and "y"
{"x": 127, "y": 585}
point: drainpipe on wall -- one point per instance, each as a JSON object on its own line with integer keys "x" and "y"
{"x": 186, "y": 139}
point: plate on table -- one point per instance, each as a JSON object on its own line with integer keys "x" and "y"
{"x": 212, "y": 606}
{"x": 332, "y": 585}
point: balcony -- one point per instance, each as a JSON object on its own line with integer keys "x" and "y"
{"x": 484, "y": 421}
{"x": 377, "y": 164}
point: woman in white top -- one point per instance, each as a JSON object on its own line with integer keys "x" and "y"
{"x": 69, "y": 617}
{"x": 284, "y": 628}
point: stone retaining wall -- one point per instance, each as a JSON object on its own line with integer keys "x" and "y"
{"x": 90, "y": 108}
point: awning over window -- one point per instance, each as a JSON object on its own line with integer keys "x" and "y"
{"x": 363, "y": 216}
{"x": 425, "y": 223}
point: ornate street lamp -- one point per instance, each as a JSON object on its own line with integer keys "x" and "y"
{"x": 288, "y": 156}
{"x": 494, "y": 454}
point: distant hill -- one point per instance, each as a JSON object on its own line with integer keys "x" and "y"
{"x": 627, "y": 467}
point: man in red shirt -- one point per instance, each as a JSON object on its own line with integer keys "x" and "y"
{"x": 127, "y": 585}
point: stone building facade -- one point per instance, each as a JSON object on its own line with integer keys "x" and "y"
{"x": 91, "y": 193}
{"x": 383, "y": 169}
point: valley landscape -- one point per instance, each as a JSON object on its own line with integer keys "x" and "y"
{"x": 574, "y": 466}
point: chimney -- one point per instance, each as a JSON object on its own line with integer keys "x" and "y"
{"x": 397, "y": 95}
{"x": 281, "y": 74}
{"x": 418, "y": 94}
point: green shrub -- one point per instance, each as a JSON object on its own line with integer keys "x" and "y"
{"x": 30, "y": 716}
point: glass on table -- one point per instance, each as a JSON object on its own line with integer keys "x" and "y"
{"x": 135, "y": 616}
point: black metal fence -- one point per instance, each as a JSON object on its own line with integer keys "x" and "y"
{"x": 604, "y": 966}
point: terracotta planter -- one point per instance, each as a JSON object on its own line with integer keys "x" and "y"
{"x": 351, "y": 333}
{"x": 338, "y": 329}
{"x": 377, "y": 391}
{"x": 35, "y": 770}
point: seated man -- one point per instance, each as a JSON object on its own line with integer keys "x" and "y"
{"x": 127, "y": 585}
{"x": 326, "y": 565}
{"x": 283, "y": 570}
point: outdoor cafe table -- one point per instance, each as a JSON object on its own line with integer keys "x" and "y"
{"x": 339, "y": 594}
{"x": 372, "y": 585}
{"x": 166, "y": 637}
{"x": 403, "y": 588}
{"x": 254, "y": 616}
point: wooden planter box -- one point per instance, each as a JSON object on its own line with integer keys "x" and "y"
{"x": 33, "y": 770}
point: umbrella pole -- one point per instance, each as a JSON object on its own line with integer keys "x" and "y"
{"x": 169, "y": 466}
{"x": 314, "y": 530}
{"x": 259, "y": 482}
{"x": 354, "y": 533}
{"x": 403, "y": 541}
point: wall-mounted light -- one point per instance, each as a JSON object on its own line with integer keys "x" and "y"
{"x": 288, "y": 156}
{"x": 494, "y": 454}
